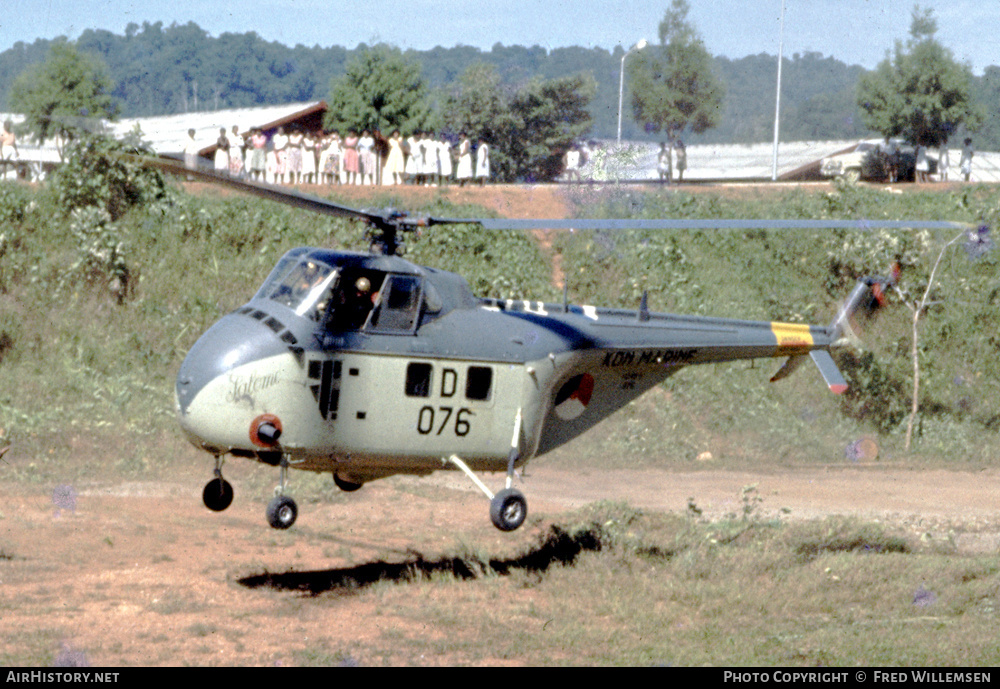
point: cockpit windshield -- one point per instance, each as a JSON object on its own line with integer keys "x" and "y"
{"x": 304, "y": 288}
{"x": 347, "y": 294}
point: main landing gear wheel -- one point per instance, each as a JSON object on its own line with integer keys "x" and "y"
{"x": 508, "y": 509}
{"x": 281, "y": 512}
{"x": 218, "y": 494}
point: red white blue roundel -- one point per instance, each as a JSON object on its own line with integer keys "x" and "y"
{"x": 574, "y": 396}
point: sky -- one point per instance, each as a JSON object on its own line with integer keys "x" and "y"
{"x": 853, "y": 31}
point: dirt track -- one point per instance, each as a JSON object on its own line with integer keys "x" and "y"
{"x": 140, "y": 573}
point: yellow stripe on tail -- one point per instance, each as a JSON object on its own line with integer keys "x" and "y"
{"x": 792, "y": 338}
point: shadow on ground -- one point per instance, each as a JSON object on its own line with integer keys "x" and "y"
{"x": 557, "y": 546}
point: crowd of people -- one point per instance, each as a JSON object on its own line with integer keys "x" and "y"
{"x": 300, "y": 156}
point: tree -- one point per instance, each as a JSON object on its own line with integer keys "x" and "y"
{"x": 921, "y": 93}
{"x": 480, "y": 107}
{"x": 673, "y": 86}
{"x": 554, "y": 116}
{"x": 529, "y": 129}
{"x": 978, "y": 243}
{"x": 382, "y": 90}
{"x": 56, "y": 94}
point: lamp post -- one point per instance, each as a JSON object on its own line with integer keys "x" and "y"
{"x": 621, "y": 84}
{"x": 777, "y": 98}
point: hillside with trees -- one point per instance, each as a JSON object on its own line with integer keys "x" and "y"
{"x": 160, "y": 70}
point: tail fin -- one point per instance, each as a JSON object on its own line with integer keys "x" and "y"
{"x": 869, "y": 294}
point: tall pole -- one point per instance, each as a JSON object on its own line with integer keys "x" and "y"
{"x": 621, "y": 85}
{"x": 777, "y": 98}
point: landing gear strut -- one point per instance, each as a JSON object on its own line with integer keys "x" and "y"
{"x": 508, "y": 508}
{"x": 218, "y": 493}
{"x": 282, "y": 510}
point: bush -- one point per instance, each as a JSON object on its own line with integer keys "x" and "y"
{"x": 97, "y": 173}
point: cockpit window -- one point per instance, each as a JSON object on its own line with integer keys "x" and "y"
{"x": 278, "y": 273}
{"x": 305, "y": 288}
{"x": 399, "y": 305}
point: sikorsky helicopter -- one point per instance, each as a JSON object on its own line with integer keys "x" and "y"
{"x": 367, "y": 365}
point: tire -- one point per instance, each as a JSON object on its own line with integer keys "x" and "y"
{"x": 218, "y": 494}
{"x": 281, "y": 512}
{"x": 508, "y": 509}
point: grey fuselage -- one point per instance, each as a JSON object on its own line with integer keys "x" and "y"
{"x": 367, "y": 383}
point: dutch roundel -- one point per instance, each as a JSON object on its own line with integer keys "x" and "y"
{"x": 574, "y": 396}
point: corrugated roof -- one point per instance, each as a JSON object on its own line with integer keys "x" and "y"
{"x": 168, "y": 134}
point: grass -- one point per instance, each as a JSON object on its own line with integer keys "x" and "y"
{"x": 88, "y": 369}
{"x": 669, "y": 590}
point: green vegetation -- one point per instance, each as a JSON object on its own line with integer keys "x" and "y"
{"x": 381, "y": 89}
{"x": 159, "y": 70}
{"x": 68, "y": 85}
{"x": 673, "y": 86}
{"x": 922, "y": 93}
{"x": 530, "y": 127}
{"x": 97, "y": 312}
{"x": 732, "y": 411}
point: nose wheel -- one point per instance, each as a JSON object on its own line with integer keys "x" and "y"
{"x": 218, "y": 493}
{"x": 282, "y": 510}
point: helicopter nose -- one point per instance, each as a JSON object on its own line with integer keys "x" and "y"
{"x": 233, "y": 341}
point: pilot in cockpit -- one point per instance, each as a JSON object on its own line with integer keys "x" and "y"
{"x": 353, "y": 304}
{"x": 310, "y": 277}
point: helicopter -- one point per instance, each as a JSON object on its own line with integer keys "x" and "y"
{"x": 366, "y": 365}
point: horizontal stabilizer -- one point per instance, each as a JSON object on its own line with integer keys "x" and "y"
{"x": 828, "y": 369}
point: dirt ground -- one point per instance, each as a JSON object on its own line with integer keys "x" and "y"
{"x": 117, "y": 572}
{"x": 122, "y": 573}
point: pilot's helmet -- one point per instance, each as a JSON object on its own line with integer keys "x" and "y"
{"x": 363, "y": 285}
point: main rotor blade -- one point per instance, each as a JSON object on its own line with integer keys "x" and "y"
{"x": 316, "y": 204}
{"x": 699, "y": 224}
{"x": 289, "y": 197}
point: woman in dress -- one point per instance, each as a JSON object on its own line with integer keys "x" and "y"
{"x": 258, "y": 159}
{"x": 922, "y": 165}
{"x": 395, "y": 165}
{"x": 444, "y": 158}
{"x": 294, "y": 158}
{"x": 482, "y": 162}
{"x": 336, "y": 162}
{"x": 309, "y": 158}
{"x": 682, "y": 160}
{"x": 414, "y": 159}
{"x": 237, "y": 148}
{"x": 965, "y": 162}
{"x": 222, "y": 152}
{"x": 279, "y": 156}
{"x": 351, "y": 162}
{"x": 464, "y": 173}
{"x": 366, "y": 157}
